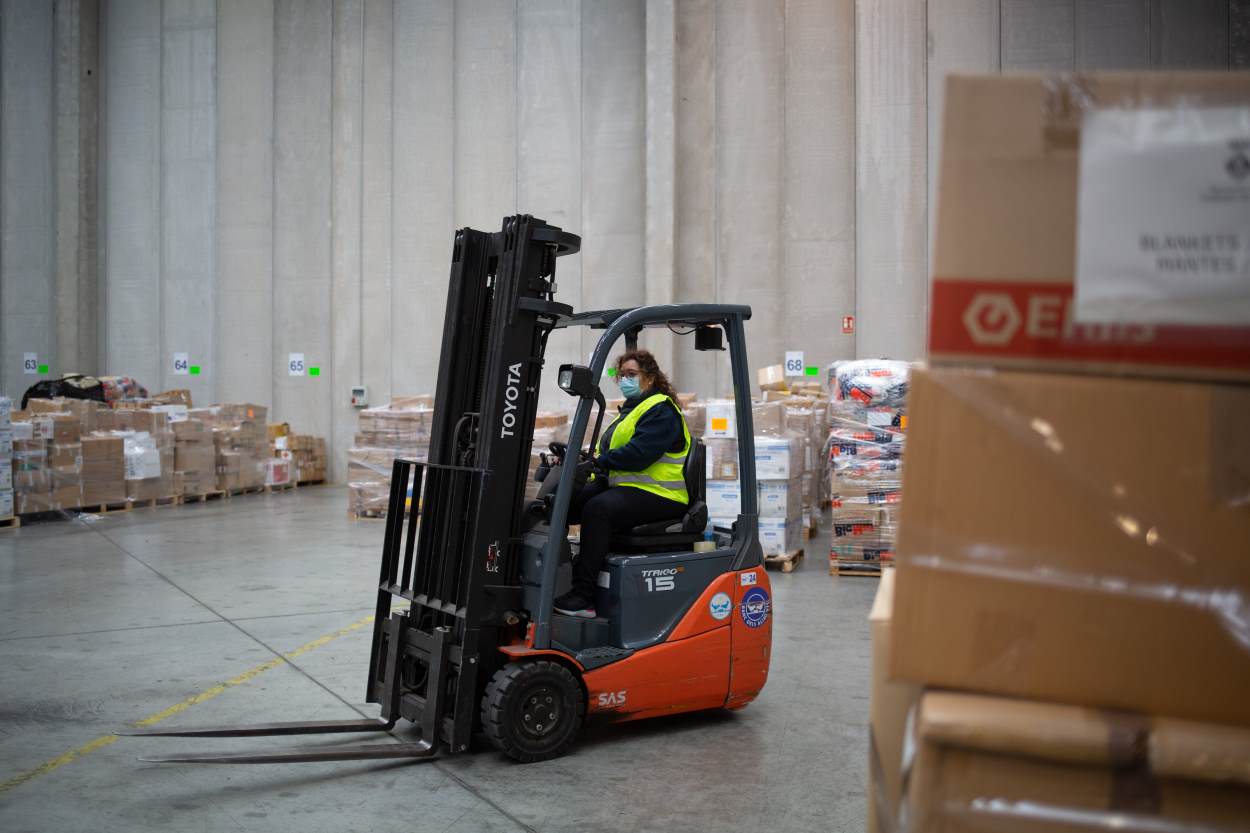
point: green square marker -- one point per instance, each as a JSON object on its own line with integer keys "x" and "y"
{"x": 194, "y": 370}
{"x": 812, "y": 371}
{"x": 314, "y": 371}
{"x": 611, "y": 371}
{"x": 43, "y": 368}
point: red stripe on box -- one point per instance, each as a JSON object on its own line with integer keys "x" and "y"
{"x": 1020, "y": 320}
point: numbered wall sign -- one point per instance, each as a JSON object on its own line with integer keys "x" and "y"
{"x": 794, "y": 363}
{"x": 182, "y": 365}
{"x": 30, "y": 363}
{"x": 295, "y": 364}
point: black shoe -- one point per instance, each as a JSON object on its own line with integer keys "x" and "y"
{"x": 576, "y": 603}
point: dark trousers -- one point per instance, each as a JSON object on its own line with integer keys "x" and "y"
{"x": 601, "y": 510}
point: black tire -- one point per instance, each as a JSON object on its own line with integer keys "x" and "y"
{"x": 517, "y": 710}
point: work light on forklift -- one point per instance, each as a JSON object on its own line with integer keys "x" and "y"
{"x": 576, "y": 380}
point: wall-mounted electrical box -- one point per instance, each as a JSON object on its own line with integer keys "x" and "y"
{"x": 360, "y": 396}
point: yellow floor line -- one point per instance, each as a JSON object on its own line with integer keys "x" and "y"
{"x": 207, "y": 694}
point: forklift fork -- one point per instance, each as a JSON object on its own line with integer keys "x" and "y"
{"x": 428, "y": 747}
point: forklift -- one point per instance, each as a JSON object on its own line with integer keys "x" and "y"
{"x": 465, "y": 639}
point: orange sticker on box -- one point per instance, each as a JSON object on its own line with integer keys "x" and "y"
{"x": 902, "y": 421}
{"x": 720, "y": 423}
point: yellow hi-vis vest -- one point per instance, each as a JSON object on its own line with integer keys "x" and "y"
{"x": 665, "y": 477}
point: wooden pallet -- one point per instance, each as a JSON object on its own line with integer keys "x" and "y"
{"x": 786, "y": 562}
{"x": 202, "y": 497}
{"x": 106, "y": 508}
{"x": 249, "y": 490}
{"x": 10, "y": 523}
{"x": 152, "y": 503}
{"x": 871, "y": 569}
{"x": 367, "y": 515}
{"x": 280, "y": 487}
{"x": 310, "y": 483}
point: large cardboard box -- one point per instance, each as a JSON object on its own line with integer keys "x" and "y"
{"x": 194, "y": 457}
{"x": 1005, "y": 248}
{"x": 1078, "y": 539}
{"x": 988, "y": 765}
{"x": 887, "y": 719}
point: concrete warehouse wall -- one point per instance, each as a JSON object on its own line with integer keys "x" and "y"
{"x": 238, "y": 180}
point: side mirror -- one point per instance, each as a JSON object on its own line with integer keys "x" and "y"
{"x": 576, "y": 380}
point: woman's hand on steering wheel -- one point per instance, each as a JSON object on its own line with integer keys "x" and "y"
{"x": 561, "y": 451}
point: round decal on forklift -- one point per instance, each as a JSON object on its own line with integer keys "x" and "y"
{"x": 755, "y": 607}
{"x": 721, "y": 606}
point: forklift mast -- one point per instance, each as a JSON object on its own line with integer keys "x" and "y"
{"x": 458, "y": 567}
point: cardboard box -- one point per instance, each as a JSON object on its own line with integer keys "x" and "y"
{"x": 721, "y": 458}
{"x": 178, "y": 396}
{"x": 423, "y": 401}
{"x": 769, "y": 418}
{"x": 195, "y": 482}
{"x": 723, "y": 498}
{"x": 6, "y": 503}
{"x": 772, "y": 377}
{"x": 150, "y": 422}
{"x": 869, "y": 550}
{"x": 67, "y": 495}
{"x": 194, "y": 457}
{"x": 32, "y": 479}
{"x": 192, "y": 431}
{"x": 781, "y": 499}
{"x": 887, "y": 721}
{"x": 695, "y": 414}
{"x": 62, "y": 455}
{"x": 1053, "y": 545}
{"x": 6, "y": 475}
{"x": 777, "y": 458}
{"x": 1002, "y": 766}
{"x": 102, "y": 447}
{"x": 1005, "y": 243}
{"x": 175, "y": 413}
{"x": 150, "y": 488}
{"x": 26, "y": 503}
{"x": 780, "y": 536}
{"x": 277, "y": 472}
{"x": 722, "y": 419}
{"x": 238, "y": 412}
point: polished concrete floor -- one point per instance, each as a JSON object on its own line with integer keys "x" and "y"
{"x": 181, "y": 613}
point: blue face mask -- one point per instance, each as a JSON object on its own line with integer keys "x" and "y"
{"x": 630, "y": 386}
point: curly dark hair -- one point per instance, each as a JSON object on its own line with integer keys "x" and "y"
{"x": 648, "y": 365}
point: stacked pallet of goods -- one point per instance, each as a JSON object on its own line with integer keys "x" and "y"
{"x": 865, "y": 449}
{"x": 779, "y": 463}
{"x": 1066, "y": 644}
{"x": 6, "y": 462}
{"x": 69, "y": 454}
{"x": 400, "y": 428}
{"x": 807, "y": 416}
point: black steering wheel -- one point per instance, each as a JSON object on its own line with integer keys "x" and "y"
{"x": 561, "y": 450}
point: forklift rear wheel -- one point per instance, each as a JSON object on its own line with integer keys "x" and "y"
{"x": 532, "y": 711}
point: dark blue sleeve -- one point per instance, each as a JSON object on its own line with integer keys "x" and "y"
{"x": 657, "y": 431}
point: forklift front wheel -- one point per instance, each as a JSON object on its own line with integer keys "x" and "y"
{"x": 532, "y": 711}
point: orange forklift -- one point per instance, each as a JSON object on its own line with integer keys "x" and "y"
{"x": 465, "y": 639}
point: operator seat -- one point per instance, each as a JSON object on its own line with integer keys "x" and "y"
{"x": 678, "y": 533}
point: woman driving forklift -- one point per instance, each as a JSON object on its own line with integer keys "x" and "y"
{"x": 640, "y": 477}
